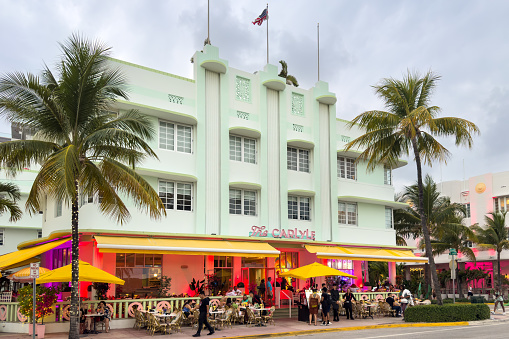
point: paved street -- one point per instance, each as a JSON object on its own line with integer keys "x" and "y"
{"x": 493, "y": 331}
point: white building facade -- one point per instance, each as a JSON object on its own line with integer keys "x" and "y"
{"x": 254, "y": 178}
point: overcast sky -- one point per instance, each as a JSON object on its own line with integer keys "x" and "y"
{"x": 361, "y": 42}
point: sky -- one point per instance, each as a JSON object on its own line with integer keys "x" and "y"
{"x": 361, "y": 42}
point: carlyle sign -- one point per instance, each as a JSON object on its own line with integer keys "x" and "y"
{"x": 261, "y": 231}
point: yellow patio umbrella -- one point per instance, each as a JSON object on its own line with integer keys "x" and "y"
{"x": 87, "y": 273}
{"x": 23, "y": 275}
{"x": 314, "y": 270}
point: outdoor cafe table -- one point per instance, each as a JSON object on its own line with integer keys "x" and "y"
{"x": 369, "y": 306}
{"x": 94, "y": 315}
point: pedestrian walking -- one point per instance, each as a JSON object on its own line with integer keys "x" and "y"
{"x": 204, "y": 313}
{"x": 499, "y": 299}
{"x": 406, "y": 299}
{"x": 269, "y": 289}
{"x": 326, "y": 303}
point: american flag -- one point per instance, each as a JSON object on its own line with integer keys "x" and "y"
{"x": 261, "y": 18}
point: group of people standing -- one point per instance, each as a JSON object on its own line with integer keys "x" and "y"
{"x": 327, "y": 301}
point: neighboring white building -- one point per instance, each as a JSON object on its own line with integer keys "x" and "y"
{"x": 255, "y": 179}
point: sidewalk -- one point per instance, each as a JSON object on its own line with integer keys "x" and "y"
{"x": 283, "y": 326}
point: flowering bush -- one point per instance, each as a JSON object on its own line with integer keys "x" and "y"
{"x": 45, "y": 298}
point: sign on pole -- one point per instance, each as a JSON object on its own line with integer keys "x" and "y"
{"x": 34, "y": 270}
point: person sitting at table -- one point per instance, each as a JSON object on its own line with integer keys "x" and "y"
{"x": 186, "y": 309}
{"x": 245, "y": 300}
{"x": 88, "y": 320}
{"x": 237, "y": 290}
{"x": 231, "y": 293}
{"x": 222, "y": 302}
{"x": 105, "y": 315}
{"x": 83, "y": 318}
{"x": 255, "y": 298}
{"x": 314, "y": 302}
{"x": 390, "y": 300}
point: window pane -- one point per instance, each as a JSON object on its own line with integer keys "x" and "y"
{"x": 249, "y": 203}
{"x": 149, "y": 260}
{"x": 120, "y": 260}
{"x": 341, "y": 167}
{"x": 184, "y": 139}
{"x": 235, "y": 202}
{"x": 158, "y": 260}
{"x": 129, "y": 260}
{"x": 350, "y": 168}
{"x": 305, "y": 209}
{"x": 303, "y": 160}
{"x": 291, "y": 158}
{"x": 184, "y": 196}
{"x": 351, "y": 214}
{"x": 387, "y": 176}
{"x": 341, "y": 213}
{"x": 235, "y": 148}
{"x": 388, "y": 217}
{"x": 166, "y": 191}
{"x": 140, "y": 260}
{"x": 293, "y": 208}
{"x": 166, "y": 135}
{"x": 249, "y": 150}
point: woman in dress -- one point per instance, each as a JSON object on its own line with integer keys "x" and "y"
{"x": 314, "y": 302}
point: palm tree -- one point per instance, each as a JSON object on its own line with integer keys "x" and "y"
{"x": 443, "y": 218}
{"x": 494, "y": 236}
{"x": 81, "y": 146}
{"x": 9, "y": 196}
{"x": 409, "y": 126}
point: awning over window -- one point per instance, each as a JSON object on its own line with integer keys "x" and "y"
{"x": 27, "y": 255}
{"x": 364, "y": 253}
{"x": 107, "y": 244}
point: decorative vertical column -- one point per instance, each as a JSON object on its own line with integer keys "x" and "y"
{"x": 273, "y": 158}
{"x": 325, "y": 166}
{"x": 392, "y": 272}
{"x": 212, "y": 153}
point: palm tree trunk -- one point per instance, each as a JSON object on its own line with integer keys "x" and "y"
{"x": 499, "y": 271}
{"x": 75, "y": 284}
{"x": 424, "y": 225}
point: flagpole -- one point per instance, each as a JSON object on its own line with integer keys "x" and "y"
{"x": 318, "y": 33}
{"x": 267, "y": 33}
{"x": 208, "y": 21}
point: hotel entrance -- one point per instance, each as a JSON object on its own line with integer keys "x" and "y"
{"x": 254, "y": 270}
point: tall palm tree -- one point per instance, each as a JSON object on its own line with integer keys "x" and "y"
{"x": 442, "y": 217}
{"x": 409, "y": 126}
{"x": 9, "y": 196}
{"x": 494, "y": 236}
{"x": 81, "y": 146}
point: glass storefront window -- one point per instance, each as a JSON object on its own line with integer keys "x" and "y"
{"x": 342, "y": 265}
{"x": 223, "y": 274}
{"x": 141, "y": 272}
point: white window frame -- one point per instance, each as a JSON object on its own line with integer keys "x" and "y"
{"x": 176, "y": 139}
{"x": 387, "y": 175}
{"x": 500, "y": 204}
{"x": 343, "y": 171}
{"x": 233, "y": 156}
{"x": 301, "y": 215}
{"x": 300, "y": 152}
{"x": 175, "y": 192}
{"x": 59, "y": 208}
{"x": 243, "y": 202}
{"x": 2, "y": 236}
{"x": 39, "y": 234}
{"x": 391, "y": 216}
{"x": 347, "y": 218}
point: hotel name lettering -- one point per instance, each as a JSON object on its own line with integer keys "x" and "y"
{"x": 262, "y": 231}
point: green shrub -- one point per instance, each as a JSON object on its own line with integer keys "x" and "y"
{"x": 445, "y": 301}
{"x": 447, "y": 313}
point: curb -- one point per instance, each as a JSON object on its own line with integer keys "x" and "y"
{"x": 353, "y": 328}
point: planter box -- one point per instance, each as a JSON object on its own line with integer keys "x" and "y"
{"x": 39, "y": 330}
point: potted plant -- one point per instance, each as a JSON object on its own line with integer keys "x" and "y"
{"x": 101, "y": 289}
{"x": 46, "y": 297}
{"x": 196, "y": 286}
{"x": 163, "y": 290}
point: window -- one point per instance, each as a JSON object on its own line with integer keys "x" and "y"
{"x": 501, "y": 204}
{"x": 2, "y": 236}
{"x": 58, "y": 209}
{"x": 168, "y": 138}
{"x": 388, "y": 218}
{"x": 347, "y": 213}
{"x": 347, "y": 168}
{"x": 139, "y": 271}
{"x": 184, "y": 194}
{"x": 297, "y": 159}
{"x": 223, "y": 269}
{"x": 467, "y": 208}
{"x": 387, "y": 175}
{"x": 86, "y": 199}
{"x": 242, "y": 149}
{"x": 299, "y": 208}
{"x": 469, "y": 244}
{"x": 39, "y": 234}
{"x": 242, "y": 202}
